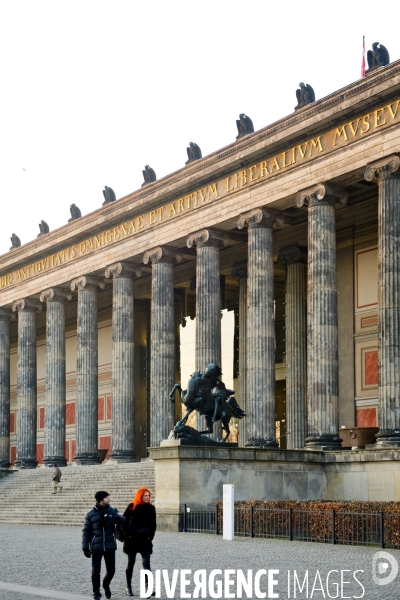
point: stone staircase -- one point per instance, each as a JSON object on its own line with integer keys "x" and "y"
{"x": 26, "y": 495}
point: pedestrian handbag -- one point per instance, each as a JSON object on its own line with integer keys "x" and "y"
{"x": 119, "y": 532}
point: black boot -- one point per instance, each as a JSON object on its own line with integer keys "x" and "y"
{"x": 146, "y": 587}
{"x": 107, "y": 590}
{"x": 129, "y": 590}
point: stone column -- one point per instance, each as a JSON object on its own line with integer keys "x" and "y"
{"x": 240, "y": 270}
{"x": 26, "y": 383}
{"x": 5, "y": 316}
{"x": 322, "y": 339}
{"x": 55, "y": 397}
{"x": 122, "y": 390}
{"x": 295, "y": 259}
{"x": 87, "y": 370}
{"x": 260, "y": 419}
{"x": 208, "y": 304}
{"x": 387, "y": 173}
{"x": 162, "y": 342}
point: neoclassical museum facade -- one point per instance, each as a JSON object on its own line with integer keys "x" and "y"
{"x": 293, "y": 229}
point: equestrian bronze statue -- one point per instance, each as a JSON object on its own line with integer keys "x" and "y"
{"x": 207, "y": 394}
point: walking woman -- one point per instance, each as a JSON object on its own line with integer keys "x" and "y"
{"x": 140, "y": 528}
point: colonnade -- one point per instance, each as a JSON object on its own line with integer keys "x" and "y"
{"x": 311, "y": 336}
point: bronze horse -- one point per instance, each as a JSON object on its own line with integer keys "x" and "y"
{"x": 208, "y": 395}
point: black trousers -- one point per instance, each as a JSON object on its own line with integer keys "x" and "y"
{"x": 109, "y": 559}
{"x": 131, "y": 564}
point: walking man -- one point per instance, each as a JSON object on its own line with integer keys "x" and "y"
{"x": 98, "y": 540}
{"x": 56, "y": 479}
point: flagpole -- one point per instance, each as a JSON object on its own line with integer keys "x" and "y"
{"x": 363, "y": 58}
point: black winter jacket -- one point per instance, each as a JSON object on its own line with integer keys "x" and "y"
{"x": 98, "y": 533}
{"x": 140, "y": 529}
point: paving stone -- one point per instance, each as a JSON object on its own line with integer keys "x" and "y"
{"x": 50, "y": 557}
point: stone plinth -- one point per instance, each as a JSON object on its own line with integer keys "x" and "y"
{"x": 194, "y": 476}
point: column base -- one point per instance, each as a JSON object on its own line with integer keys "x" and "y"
{"x": 323, "y": 442}
{"x": 261, "y": 443}
{"x": 26, "y": 463}
{"x": 60, "y": 461}
{"x": 122, "y": 456}
{"x": 386, "y": 438}
{"x": 87, "y": 458}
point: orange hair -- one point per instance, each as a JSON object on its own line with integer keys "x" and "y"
{"x": 138, "y": 497}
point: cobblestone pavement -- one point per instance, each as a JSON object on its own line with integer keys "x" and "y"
{"x": 51, "y": 558}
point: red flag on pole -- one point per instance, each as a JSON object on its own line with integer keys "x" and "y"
{"x": 363, "y": 59}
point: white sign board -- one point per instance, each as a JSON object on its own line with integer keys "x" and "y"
{"x": 228, "y": 508}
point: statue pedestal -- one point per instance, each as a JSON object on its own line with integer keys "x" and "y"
{"x": 373, "y": 70}
{"x": 195, "y": 475}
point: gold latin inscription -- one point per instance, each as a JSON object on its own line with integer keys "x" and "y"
{"x": 337, "y": 137}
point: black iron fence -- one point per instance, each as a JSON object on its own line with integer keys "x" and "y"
{"x": 201, "y": 519}
{"x": 330, "y": 526}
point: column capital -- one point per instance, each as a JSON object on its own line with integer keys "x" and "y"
{"x": 292, "y": 255}
{"x": 123, "y": 270}
{"x": 260, "y": 218}
{"x": 322, "y": 193}
{"x": 239, "y": 269}
{"x": 6, "y": 314}
{"x": 207, "y": 237}
{"x": 87, "y": 282}
{"x": 27, "y": 305}
{"x": 161, "y": 254}
{"x": 55, "y": 294}
{"x": 383, "y": 169}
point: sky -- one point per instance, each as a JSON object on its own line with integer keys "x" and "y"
{"x": 92, "y": 91}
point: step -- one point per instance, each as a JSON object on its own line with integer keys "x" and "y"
{"x": 19, "y": 487}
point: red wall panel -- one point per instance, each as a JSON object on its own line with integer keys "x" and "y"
{"x": 39, "y": 453}
{"x": 70, "y": 413}
{"x": 100, "y": 409}
{"x": 371, "y": 367}
{"x": 105, "y": 442}
{"x": 366, "y": 417}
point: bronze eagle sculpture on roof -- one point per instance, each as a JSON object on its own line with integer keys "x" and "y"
{"x": 244, "y": 125}
{"x": 378, "y": 56}
{"x": 149, "y": 175}
{"x": 305, "y": 95}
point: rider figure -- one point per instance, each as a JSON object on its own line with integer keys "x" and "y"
{"x": 211, "y": 376}
{"x": 219, "y": 395}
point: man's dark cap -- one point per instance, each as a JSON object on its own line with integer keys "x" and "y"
{"x": 54, "y": 464}
{"x": 100, "y": 496}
